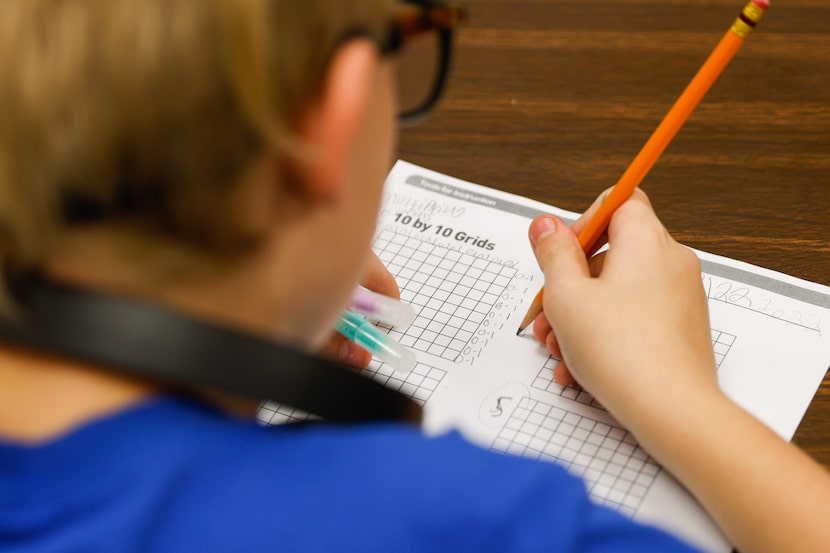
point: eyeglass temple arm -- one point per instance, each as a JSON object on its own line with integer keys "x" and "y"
{"x": 414, "y": 20}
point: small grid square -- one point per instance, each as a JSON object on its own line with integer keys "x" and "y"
{"x": 617, "y": 472}
{"x": 451, "y": 292}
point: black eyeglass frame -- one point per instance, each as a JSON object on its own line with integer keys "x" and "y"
{"x": 414, "y": 18}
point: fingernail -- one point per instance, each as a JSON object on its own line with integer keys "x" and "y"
{"x": 353, "y": 355}
{"x": 344, "y": 351}
{"x": 541, "y": 227}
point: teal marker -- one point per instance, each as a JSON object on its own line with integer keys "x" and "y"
{"x": 375, "y": 341}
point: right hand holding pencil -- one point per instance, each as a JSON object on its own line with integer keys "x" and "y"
{"x": 632, "y": 320}
{"x": 633, "y": 329}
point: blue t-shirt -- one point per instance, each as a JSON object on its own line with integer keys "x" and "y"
{"x": 171, "y": 475}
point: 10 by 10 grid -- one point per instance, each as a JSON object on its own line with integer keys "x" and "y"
{"x": 452, "y": 292}
{"x": 616, "y": 470}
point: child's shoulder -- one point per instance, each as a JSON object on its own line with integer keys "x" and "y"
{"x": 176, "y": 475}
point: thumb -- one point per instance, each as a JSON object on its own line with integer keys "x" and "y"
{"x": 557, "y": 249}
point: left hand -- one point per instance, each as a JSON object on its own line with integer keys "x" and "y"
{"x": 376, "y": 278}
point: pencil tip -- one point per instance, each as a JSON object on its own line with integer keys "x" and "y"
{"x": 519, "y": 332}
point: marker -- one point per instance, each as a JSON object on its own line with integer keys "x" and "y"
{"x": 663, "y": 134}
{"x": 372, "y": 339}
{"x": 382, "y": 309}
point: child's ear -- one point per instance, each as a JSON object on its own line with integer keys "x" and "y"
{"x": 330, "y": 125}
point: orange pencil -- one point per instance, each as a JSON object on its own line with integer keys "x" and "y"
{"x": 664, "y": 133}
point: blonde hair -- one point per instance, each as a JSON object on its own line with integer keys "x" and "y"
{"x": 148, "y": 109}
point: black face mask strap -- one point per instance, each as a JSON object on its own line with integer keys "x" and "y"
{"x": 149, "y": 341}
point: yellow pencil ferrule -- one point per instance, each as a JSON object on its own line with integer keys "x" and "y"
{"x": 741, "y": 29}
{"x": 749, "y": 18}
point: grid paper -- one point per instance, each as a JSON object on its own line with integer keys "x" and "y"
{"x": 616, "y": 471}
{"x": 452, "y": 292}
{"x": 273, "y": 414}
{"x": 418, "y": 384}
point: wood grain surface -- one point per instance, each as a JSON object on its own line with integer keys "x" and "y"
{"x": 552, "y": 99}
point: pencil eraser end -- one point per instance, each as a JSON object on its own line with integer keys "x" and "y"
{"x": 763, "y": 4}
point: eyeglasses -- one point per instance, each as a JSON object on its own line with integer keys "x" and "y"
{"x": 422, "y": 57}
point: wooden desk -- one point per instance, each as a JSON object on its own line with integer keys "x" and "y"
{"x": 552, "y": 99}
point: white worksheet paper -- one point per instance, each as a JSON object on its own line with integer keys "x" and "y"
{"x": 461, "y": 257}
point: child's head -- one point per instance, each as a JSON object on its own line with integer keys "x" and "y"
{"x": 163, "y": 122}
{"x": 193, "y": 151}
